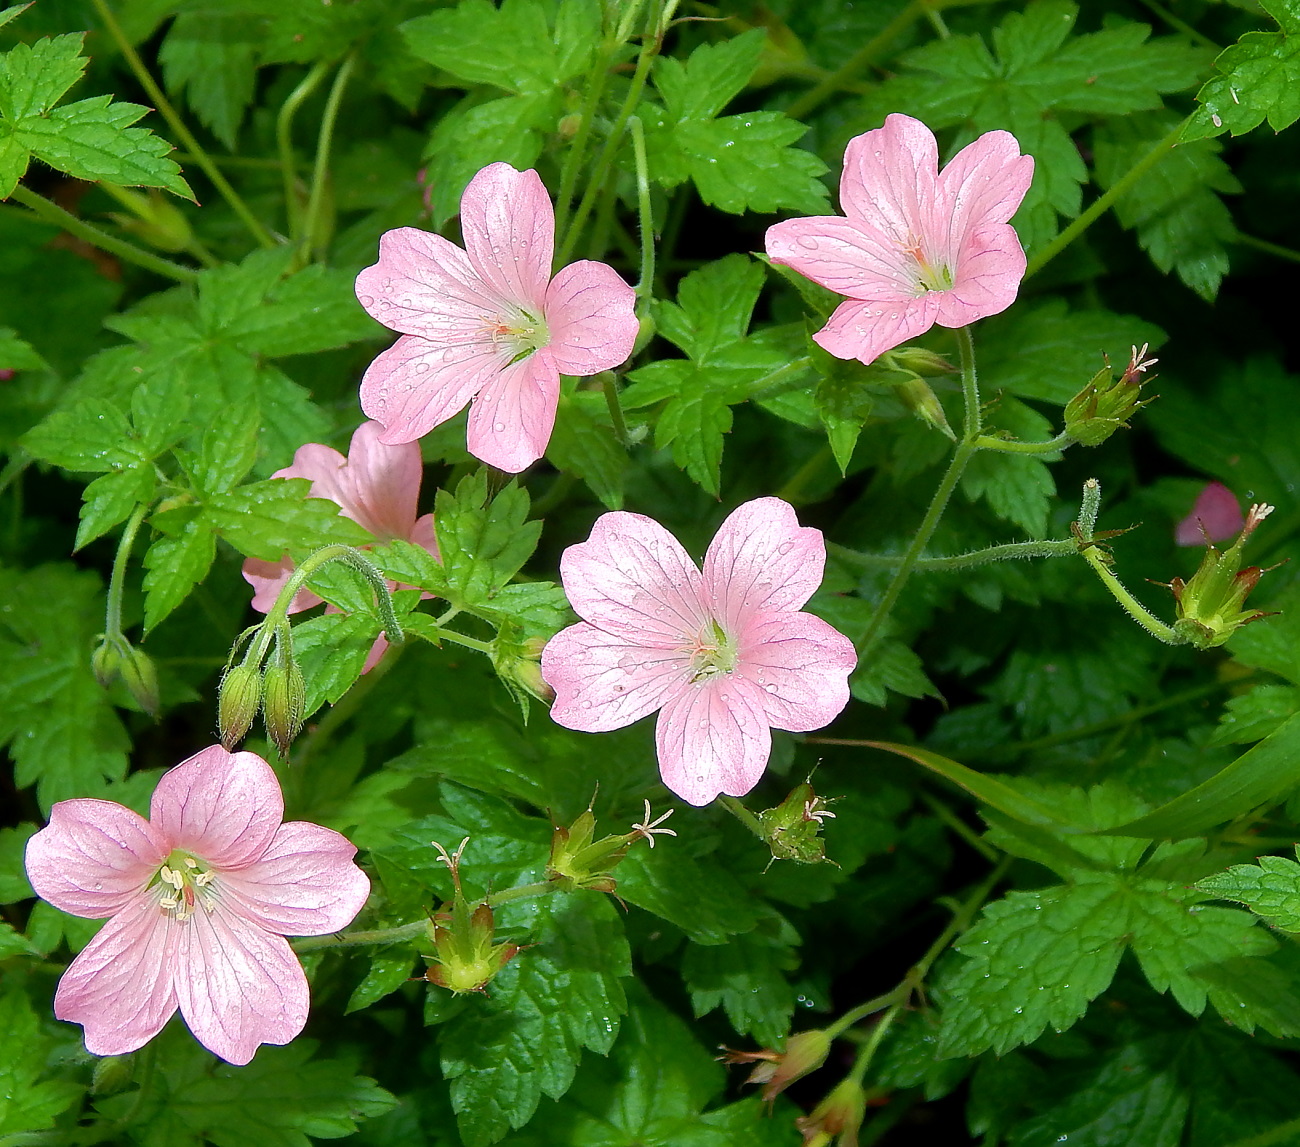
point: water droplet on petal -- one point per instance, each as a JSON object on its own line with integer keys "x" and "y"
{"x": 421, "y": 368}
{"x": 807, "y": 242}
{"x": 785, "y": 547}
{"x": 770, "y": 687}
{"x": 366, "y": 300}
{"x": 586, "y": 704}
{"x": 500, "y": 427}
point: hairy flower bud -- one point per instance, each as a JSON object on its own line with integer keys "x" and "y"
{"x": 111, "y": 1074}
{"x": 237, "y": 703}
{"x": 141, "y": 678}
{"x": 919, "y": 360}
{"x": 284, "y": 700}
{"x": 1103, "y": 406}
{"x": 924, "y": 403}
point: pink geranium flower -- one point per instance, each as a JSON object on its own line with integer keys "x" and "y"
{"x": 1215, "y": 517}
{"x": 199, "y": 898}
{"x": 488, "y": 323}
{"x": 725, "y": 655}
{"x": 376, "y": 485}
{"x": 917, "y": 246}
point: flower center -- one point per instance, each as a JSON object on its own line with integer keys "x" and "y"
{"x": 928, "y": 276}
{"x": 712, "y": 652}
{"x": 183, "y": 883}
{"x": 520, "y": 332}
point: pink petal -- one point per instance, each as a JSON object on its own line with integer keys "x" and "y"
{"x": 120, "y": 987}
{"x": 590, "y": 314}
{"x": 632, "y": 579}
{"x": 305, "y": 884}
{"x": 603, "y": 682}
{"x": 223, "y": 807}
{"x": 844, "y": 256}
{"x": 866, "y": 330}
{"x": 801, "y": 664}
{"x": 320, "y": 465}
{"x": 93, "y": 857}
{"x": 889, "y": 179}
{"x": 762, "y": 560}
{"x": 269, "y": 578}
{"x": 983, "y": 183}
{"x": 508, "y": 225}
{"x": 987, "y": 277}
{"x": 511, "y": 420}
{"x": 424, "y": 285}
{"x": 424, "y": 533}
{"x": 713, "y": 737}
{"x": 416, "y": 384}
{"x": 238, "y": 986}
{"x": 1216, "y": 517}
{"x": 380, "y": 485}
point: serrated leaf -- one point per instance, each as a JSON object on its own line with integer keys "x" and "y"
{"x": 109, "y": 499}
{"x": 90, "y": 436}
{"x": 271, "y": 518}
{"x": 483, "y": 543}
{"x": 27, "y": 1103}
{"x": 894, "y": 667}
{"x": 176, "y": 562}
{"x": 710, "y": 78}
{"x": 1270, "y": 889}
{"x": 583, "y": 444}
{"x": 208, "y": 54}
{"x": 546, "y": 1005}
{"x": 1256, "y": 714}
{"x": 707, "y": 904}
{"x": 746, "y": 977}
{"x": 1260, "y": 80}
{"x": 389, "y": 969}
{"x": 33, "y": 78}
{"x": 1017, "y": 487}
{"x": 331, "y": 651}
{"x": 14, "y": 885}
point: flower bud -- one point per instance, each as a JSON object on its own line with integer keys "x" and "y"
{"x": 106, "y": 662}
{"x": 776, "y": 1070}
{"x": 1103, "y": 406}
{"x": 924, "y": 403}
{"x": 518, "y": 664}
{"x": 840, "y": 1113}
{"x": 237, "y": 703}
{"x": 153, "y": 219}
{"x": 920, "y": 361}
{"x": 793, "y": 828}
{"x": 1210, "y": 604}
{"x": 111, "y": 1074}
{"x": 141, "y": 678}
{"x": 284, "y": 700}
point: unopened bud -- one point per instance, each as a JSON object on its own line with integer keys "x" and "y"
{"x": 793, "y": 828}
{"x": 284, "y": 700}
{"x": 141, "y": 678}
{"x": 154, "y": 218}
{"x": 920, "y": 361}
{"x": 111, "y": 1074}
{"x": 568, "y": 126}
{"x": 1211, "y": 604}
{"x": 237, "y": 703}
{"x": 1104, "y": 405}
{"x": 839, "y": 1114}
{"x": 776, "y": 1070}
{"x": 924, "y": 403}
{"x": 106, "y": 662}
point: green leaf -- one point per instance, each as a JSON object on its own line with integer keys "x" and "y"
{"x": 109, "y": 499}
{"x": 583, "y": 443}
{"x": 18, "y": 355}
{"x": 314, "y": 310}
{"x": 483, "y": 543}
{"x": 390, "y": 968}
{"x": 548, "y": 1003}
{"x": 525, "y": 46}
{"x": 176, "y": 562}
{"x": 1017, "y": 487}
{"x": 88, "y": 436}
{"x": 1270, "y": 889}
{"x": 706, "y": 903}
{"x": 209, "y": 56}
{"x": 1261, "y": 75}
{"x": 1256, "y": 714}
{"x": 332, "y": 651}
{"x": 892, "y": 666}
{"x": 713, "y": 309}
{"x": 25, "y": 1103}
{"x": 14, "y": 885}
{"x": 710, "y": 78}
{"x": 13, "y": 13}
{"x": 281, "y": 1098}
{"x": 271, "y": 518}
{"x": 746, "y": 977}
{"x": 33, "y": 78}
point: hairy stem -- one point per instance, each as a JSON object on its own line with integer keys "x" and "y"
{"x": 1014, "y": 446}
{"x": 117, "y": 580}
{"x": 1050, "y": 549}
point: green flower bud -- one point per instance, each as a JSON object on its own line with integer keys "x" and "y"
{"x": 284, "y": 701}
{"x": 111, "y": 1074}
{"x": 776, "y": 1070}
{"x": 106, "y": 662}
{"x": 920, "y": 361}
{"x": 839, "y": 1114}
{"x": 141, "y": 678}
{"x": 237, "y": 703}
{"x": 924, "y": 403}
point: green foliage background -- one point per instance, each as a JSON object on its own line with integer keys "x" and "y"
{"x": 175, "y": 323}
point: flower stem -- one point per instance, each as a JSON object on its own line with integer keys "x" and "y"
{"x": 609, "y": 384}
{"x": 578, "y": 149}
{"x": 1008, "y": 550}
{"x": 116, "y": 581}
{"x": 646, "y": 285}
{"x": 324, "y": 142}
{"x": 966, "y": 449}
{"x": 1014, "y": 446}
{"x": 284, "y": 142}
{"x": 53, "y": 213}
{"x": 742, "y": 814}
{"x": 183, "y": 134}
{"x": 1103, "y": 203}
{"x": 1267, "y": 247}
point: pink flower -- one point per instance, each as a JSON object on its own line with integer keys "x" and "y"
{"x": 724, "y": 655}
{"x": 918, "y": 246}
{"x": 1216, "y": 517}
{"x": 488, "y": 323}
{"x": 199, "y": 899}
{"x": 376, "y": 485}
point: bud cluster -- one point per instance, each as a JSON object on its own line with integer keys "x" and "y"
{"x": 117, "y": 658}
{"x": 279, "y": 690}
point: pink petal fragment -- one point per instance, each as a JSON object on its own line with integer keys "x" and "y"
{"x": 269, "y": 578}
{"x": 889, "y": 178}
{"x": 713, "y": 738}
{"x": 866, "y": 330}
{"x": 424, "y": 285}
{"x": 1215, "y": 517}
{"x": 761, "y": 560}
{"x": 987, "y": 278}
{"x": 634, "y": 580}
{"x": 983, "y": 183}
{"x": 94, "y": 857}
{"x": 844, "y": 256}
{"x": 305, "y": 884}
{"x": 802, "y": 666}
{"x": 590, "y": 313}
{"x": 120, "y": 986}
{"x": 509, "y": 230}
{"x": 511, "y": 420}
{"x": 603, "y": 682}
{"x": 222, "y": 807}
{"x": 238, "y": 987}
{"x": 416, "y": 385}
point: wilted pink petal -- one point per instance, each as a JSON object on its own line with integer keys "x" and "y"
{"x": 202, "y": 894}
{"x": 473, "y": 318}
{"x": 1216, "y": 517}
{"x": 725, "y": 655}
{"x": 916, "y": 245}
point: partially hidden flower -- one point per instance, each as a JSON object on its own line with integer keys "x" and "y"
{"x": 1215, "y": 517}
{"x": 916, "y": 246}
{"x": 488, "y": 324}
{"x": 724, "y": 654}
{"x": 804, "y": 1052}
{"x": 376, "y": 485}
{"x": 198, "y": 899}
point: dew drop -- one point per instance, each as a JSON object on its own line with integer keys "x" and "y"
{"x": 770, "y": 687}
{"x": 807, "y": 242}
{"x": 387, "y": 284}
{"x": 500, "y": 427}
{"x": 421, "y": 368}
{"x": 98, "y": 885}
{"x": 366, "y": 300}
{"x": 785, "y": 547}
{"x": 586, "y": 704}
